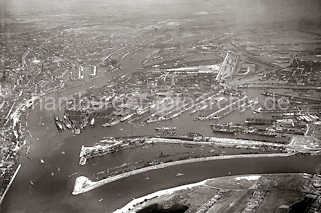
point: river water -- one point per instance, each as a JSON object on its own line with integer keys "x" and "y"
{"x": 46, "y": 187}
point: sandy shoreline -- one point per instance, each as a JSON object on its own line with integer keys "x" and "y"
{"x": 132, "y": 204}
{"x": 139, "y": 203}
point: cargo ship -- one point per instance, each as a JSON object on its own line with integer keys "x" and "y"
{"x": 125, "y": 118}
{"x": 258, "y": 121}
{"x": 112, "y": 123}
{"x": 165, "y": 128}
{"x": 225, "y": 128}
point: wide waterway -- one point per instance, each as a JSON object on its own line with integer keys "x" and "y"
{"x": 46, "y": 187}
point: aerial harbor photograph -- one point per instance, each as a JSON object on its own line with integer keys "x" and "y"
{"x": 149, "y": 106}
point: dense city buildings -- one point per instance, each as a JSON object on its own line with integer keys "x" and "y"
{"x": 104, "y": 103}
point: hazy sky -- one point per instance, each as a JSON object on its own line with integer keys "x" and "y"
{"x": 241, "y": 9}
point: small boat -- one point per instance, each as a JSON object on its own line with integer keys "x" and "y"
{"x": 115, "y": 122}
{"x": 77, "y": 131}
{"x": 92, "y": 122}
{"x": 179, "y": 174}
{"x": 106, "y": 125}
